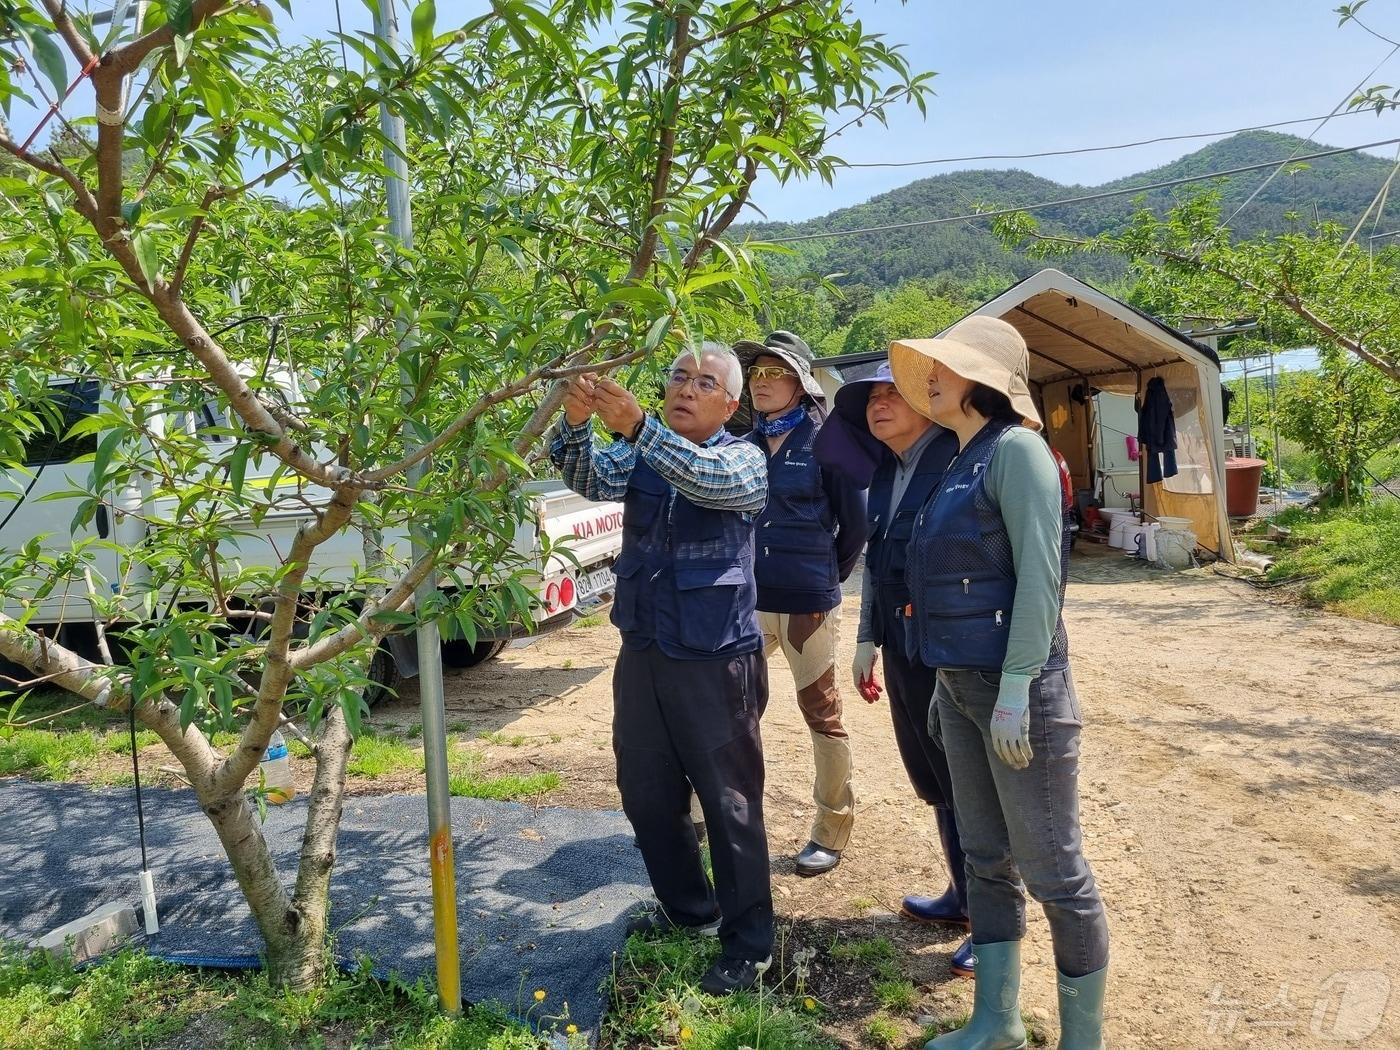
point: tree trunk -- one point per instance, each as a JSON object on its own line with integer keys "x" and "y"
{"x": 295, "y": 940}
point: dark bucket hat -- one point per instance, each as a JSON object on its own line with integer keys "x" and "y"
{"x": 845, "y": 443}
{"x": 789, "y": 349}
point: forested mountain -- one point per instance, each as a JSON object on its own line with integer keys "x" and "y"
{"x": 1334, "y": 188}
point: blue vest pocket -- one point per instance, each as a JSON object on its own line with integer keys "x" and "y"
{"x": 708, "y": 617}
{"x": 963, "y": 622}
{"x": 799, "y": 556}
{"x": 624, "y": 611}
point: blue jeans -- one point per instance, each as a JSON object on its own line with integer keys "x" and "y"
{"x": 1023, "y": 821}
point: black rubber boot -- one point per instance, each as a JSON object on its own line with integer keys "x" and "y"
{"x": 951, "y": 906}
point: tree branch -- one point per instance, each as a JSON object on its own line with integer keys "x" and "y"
{"x": 278, "y": 669}
{"x": 177, "y": 279}
{"x": 666, "y": 152}
{"x": 749, "y": 23}
{"x": 55, "y": 168}
{"x": 58, "y": 14}
{"x": 462, "y": 422}
{"x": 125, "y": 59}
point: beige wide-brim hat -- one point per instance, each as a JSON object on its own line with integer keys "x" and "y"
{"x": 985, "y": 350}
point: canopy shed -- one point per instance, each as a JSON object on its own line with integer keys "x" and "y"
{"x": 1083, "y": 342}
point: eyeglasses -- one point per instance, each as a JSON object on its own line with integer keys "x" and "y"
{"x": 679, "y": 377}
{"x": 769, "y": 372}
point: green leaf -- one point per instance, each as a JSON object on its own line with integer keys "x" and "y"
{"x": 660, "y": 328}
{"x": 238, "y": 466}
{"x": 50, "y": 61}
{"x": 143, "y": 244}
{"x": 182, "y": 49}
{"x": 424, "y": 17}
{"x": 103, "y": 457}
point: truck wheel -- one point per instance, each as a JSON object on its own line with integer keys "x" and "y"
{"x": 382, "y": 675}
{"x": 458, "y": 654}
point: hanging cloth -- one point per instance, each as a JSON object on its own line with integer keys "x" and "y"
{"x": 1157, "y": 431}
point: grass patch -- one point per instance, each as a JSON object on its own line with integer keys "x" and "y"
{"x": 591, "y": 621}
{"x": 46, "y": 755}
{"x": 867, "y": 952}
{"x": 468, "y": 780}
{"x": 655, "y": 1002}
{"x": 377, "y": 756}
{"x": 897, "y": 994}
{"x": 132, "y": 1001}
{"x": 864, "y": 904}
{"x": 882, "y": 1030}
{"x": 501, "y": 740}
{"x": 1353, "y": 557}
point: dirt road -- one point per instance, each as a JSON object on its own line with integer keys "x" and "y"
{"x": 1241, "y": 798}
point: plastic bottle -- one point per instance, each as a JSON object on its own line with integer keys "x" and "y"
{"x": 277, "y": 771}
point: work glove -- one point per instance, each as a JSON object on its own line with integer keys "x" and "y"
{"x": 863, "y": 671}
{"x": 1011, "y": 720}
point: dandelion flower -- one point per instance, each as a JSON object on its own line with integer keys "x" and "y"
{"x": 539, "y": 995}
{"x": 686, "y": 1033}
{"x": 809, "y": 1003}
{"x": 571, "y": 1030}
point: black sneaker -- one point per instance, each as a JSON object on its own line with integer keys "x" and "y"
{"x": 656, "y": 923}
{"x": 733, "y": 975}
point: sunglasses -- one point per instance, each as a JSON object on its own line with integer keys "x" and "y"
{"x": 770, "y": 372}
{"x": 677, "y": 378}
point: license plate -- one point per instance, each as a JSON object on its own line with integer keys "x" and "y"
{"x": 595, "y": 582}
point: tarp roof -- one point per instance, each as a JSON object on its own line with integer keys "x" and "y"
{"x": 1075, "y": 330}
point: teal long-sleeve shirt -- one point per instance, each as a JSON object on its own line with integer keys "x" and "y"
{"x": 1024, "y": 481}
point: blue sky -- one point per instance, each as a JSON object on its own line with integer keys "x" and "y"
{"x": 1017, "y": 76}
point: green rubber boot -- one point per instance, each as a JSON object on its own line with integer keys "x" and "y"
{"x": 996, "y": 1007}
{"x": 1081, "y": 1010}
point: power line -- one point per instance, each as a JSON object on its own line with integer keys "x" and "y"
{"x": 1093, "y": 149}
{"x": 1104, "y": 195}
{"x": 1360, "y": 84}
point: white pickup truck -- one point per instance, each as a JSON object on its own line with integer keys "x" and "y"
{"x": 32, "y": 507}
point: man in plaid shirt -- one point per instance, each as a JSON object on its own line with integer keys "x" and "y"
{"x": 690, "y": 683}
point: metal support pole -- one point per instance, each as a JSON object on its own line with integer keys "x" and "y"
{"x": 449, "y": 977}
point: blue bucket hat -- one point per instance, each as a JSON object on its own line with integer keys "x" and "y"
{"x": 845, "y": 443}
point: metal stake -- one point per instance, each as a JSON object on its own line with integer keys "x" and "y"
{"x": 449, "y": 976}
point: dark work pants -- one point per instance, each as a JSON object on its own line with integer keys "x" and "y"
{"x": 1023, "y": 823}
{"x": 911, "y": 687}
{"x": 684, "y": 723}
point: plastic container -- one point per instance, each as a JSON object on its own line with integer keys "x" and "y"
{"x": 1173, "y": 524}
{"x": 276, "y": 769}
{"x": 1242, "y": 478}
{"x": 1176, "y": 548}
{"x": 1118, "y": 518}
{"x": 1140, "y": 541}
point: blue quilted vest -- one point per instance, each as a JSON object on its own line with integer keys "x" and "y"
{"x": 960, "y": 570}
{"x": 887, "y": 549}
{"x": 685, "y": 573}
{"x": 795, "y": 536}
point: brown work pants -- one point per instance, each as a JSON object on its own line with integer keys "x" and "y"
{"x": 808, "y": 641}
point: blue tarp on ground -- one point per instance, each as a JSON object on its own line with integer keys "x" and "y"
{"x": 542, "y": 894}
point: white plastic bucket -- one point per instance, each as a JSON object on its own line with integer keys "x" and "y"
{"x": 1119, "y": 518}
{"x": 1141, "y": 540}
{"x": 1172, "y": 524}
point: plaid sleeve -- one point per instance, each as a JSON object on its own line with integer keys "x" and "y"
{"x": 594, "y": 473}
{"x": 733, "y": 476}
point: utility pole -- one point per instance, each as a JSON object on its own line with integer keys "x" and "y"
{"x": 449, "y": 975}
